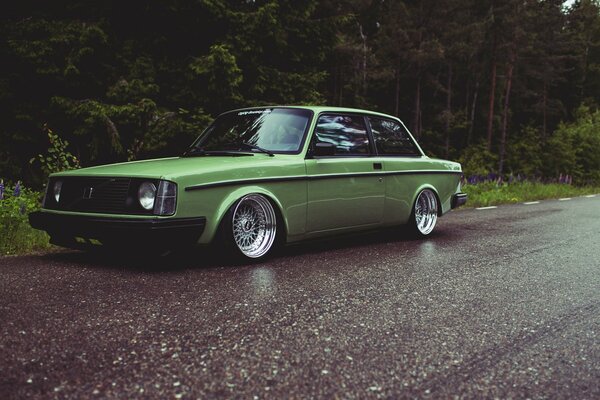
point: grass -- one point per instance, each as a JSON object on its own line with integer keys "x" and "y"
{"x": 491, "y": 194}
{"x": 18, "y": 237}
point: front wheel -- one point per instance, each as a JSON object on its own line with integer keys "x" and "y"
{"x": 425, "y": 213}
{"x": 250, "y": 227}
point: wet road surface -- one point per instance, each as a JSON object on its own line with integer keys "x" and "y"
{"x": 497, "y": 303}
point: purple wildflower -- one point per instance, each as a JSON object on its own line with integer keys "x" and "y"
{"x": 1, "y": 189}
{"x": 17, "y": 191}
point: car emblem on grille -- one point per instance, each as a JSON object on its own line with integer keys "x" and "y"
{"x": 87, "y": 193}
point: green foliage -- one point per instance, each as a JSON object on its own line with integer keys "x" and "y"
{"x": 59, "y": 49}
{"x": 16, "y": 235}
{"x": 169, "y": 133}
{"x": 477, "y": 160}
{"x": 491, "y": 193}
{"x": 107, "y": 128}
{"x": 57, "y": 157}
{"x": 574, "y": 148}
{"x": 221, "y": 74}
{"x": 525, "y": 154}
{"x": 119, "y": 91}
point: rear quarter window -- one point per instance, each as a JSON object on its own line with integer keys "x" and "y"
{"x": 391, "y": 138}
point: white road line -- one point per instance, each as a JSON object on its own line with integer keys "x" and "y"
{"x": 528, "y": 203}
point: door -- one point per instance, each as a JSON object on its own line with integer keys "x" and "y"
{"x": 401, "y": 159}
{"x": 347, "y": 189}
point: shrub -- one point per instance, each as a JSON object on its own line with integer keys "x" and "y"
{"x": 574, "y": 149}
{"x": 493, "y": 193}
{"x": 58, "y": 158}
{"x": 477, "y": 160}
{"x": 16, "y": 235}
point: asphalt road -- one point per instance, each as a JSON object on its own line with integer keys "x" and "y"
{"x": 497, "y": 303}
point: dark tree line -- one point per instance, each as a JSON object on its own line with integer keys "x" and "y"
{"x": 505, "y": 86}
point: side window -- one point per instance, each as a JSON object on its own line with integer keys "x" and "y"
{"x": 347, "y": 132}
{"x": 391, "y": 138}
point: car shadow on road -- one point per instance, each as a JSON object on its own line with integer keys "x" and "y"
{"x": 351, "y": 241}
{"x": 136, "y": 260}
{"x": 208, "y": 257}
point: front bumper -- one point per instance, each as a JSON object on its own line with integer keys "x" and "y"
{"x": 459, "y": 199}
{"x": 78, "y": 231}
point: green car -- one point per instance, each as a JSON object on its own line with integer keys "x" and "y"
{"x": 257, "y": 178}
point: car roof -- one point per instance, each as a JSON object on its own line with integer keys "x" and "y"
{"x": 321, "y": 109}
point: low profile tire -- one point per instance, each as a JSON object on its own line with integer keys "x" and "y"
{"x": 250, "y": 228}
{"x": 425, "y": 213}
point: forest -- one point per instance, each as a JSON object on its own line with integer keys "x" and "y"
{"x": 507, "y": 87}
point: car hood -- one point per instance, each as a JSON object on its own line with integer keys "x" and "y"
{"x": 172, "y": 168}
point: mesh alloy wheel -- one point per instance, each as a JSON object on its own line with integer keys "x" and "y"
{"x": 425, "y": 212}
{"x": 254, "y": 226}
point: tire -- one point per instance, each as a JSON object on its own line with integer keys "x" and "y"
{"x": 425, "y": 213}
{"x": 249, "y": 228}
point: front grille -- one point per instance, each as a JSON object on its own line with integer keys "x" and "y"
{"x": 98, "y": 195}
{"x": 104, "y": 195}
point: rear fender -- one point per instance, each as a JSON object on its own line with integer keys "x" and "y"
{"x": 441, "y": 207}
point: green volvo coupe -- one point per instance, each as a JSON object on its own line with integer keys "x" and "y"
{"x": 256, "y": 178}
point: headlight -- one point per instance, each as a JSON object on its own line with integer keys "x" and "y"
{"x": 147, "y": 195}
{"x": 56, "y": 190}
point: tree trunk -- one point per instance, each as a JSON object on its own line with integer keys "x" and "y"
{"x": 417, "y": 116}
{"x": 467, "y": 95}
{"x": 544, "y": 110}
{"x": 490, "y": 123}
{"x": 511, "y": 65}
{"x": 363, "y": 85}
{"x": 335, "y": 84}
{"x": 473, "y": 107}
{"x": 397, "y": 105}
{"x": 448, "y": 109}
{"x": 585, "y": 69}
{"x": 493, "y": 65}
{"x": 341, "y": 86}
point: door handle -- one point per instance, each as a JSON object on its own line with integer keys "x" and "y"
{"x": 377, "y": 165}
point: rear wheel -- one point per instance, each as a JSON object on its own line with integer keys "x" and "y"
{"x": 250, "y": 227}
{"x": 425, "y": 213}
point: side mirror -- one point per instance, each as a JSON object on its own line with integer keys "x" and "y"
{"x": 324, "y": 149}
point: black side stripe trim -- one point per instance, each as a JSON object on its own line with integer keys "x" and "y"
{"x": 315, "y": 178}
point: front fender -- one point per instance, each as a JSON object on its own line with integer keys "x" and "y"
{"x": 232, "y": 197}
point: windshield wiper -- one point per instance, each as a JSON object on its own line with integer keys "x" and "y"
{"x": 194, "y": 151}
{"x": 199, "y": 151}
{"x": 255, "y": 147}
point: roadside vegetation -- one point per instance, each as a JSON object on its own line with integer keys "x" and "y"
{"x": 17, "y": 201}
{"x": 493, "y": 193}
{"x": 16, "y": 235}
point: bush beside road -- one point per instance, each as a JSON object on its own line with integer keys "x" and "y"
{"x": 16, "y": 235}
{"x": 493, "y": 193}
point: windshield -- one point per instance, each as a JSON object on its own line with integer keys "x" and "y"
{"x": 270, "y": 130}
